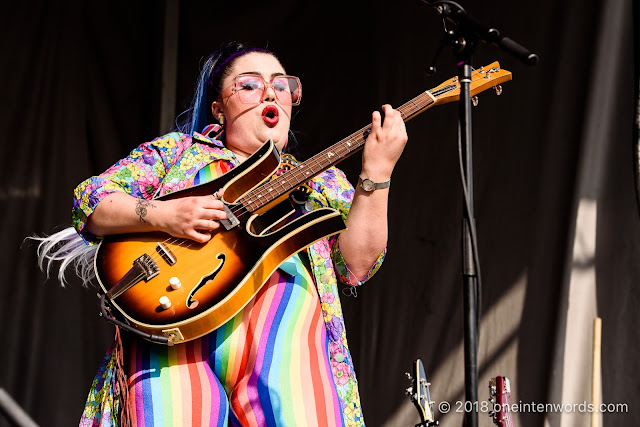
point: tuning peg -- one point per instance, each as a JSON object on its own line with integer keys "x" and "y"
{"x": 409, "y": 391}
{"x": 498, "y": 89}
{"x": 475, "y": 101}
{"x": 409, "y": 376}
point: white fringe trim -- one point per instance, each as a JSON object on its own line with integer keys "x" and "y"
{"x": 68, "y": 248}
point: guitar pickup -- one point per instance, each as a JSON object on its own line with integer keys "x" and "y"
{"x": 166, "y": 253}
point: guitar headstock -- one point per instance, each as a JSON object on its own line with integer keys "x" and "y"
{"x": 481, "y": 79}
{"x": 499, "y": 392}
{"x": 418, "y": 392}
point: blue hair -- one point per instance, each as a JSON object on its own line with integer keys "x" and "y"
{"x": 208, "y": 86}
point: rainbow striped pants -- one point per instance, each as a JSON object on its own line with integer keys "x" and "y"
{"x": 268, "y": 366}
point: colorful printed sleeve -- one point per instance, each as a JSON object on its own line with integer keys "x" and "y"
{"x": 332, "y": 189}
{"x": 139, "y": 174}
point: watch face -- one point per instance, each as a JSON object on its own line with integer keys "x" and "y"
{"x": 368, "y": 185}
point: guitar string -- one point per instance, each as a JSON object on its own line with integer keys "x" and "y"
{"x": 260, "y": 198}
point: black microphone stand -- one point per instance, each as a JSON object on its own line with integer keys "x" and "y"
{"x": 464, "y": 40}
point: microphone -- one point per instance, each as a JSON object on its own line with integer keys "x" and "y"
{"x": 456, "y": 14}
{"x": 493, "y": 36}
{"x": 513, "y": 48}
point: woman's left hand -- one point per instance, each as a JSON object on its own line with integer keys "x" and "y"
{"x": 366, "y": 235}
{"x": 384, "y": 144}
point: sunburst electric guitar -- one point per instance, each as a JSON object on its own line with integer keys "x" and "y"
{"x": 180, "y": 290}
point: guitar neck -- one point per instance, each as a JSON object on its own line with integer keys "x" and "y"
{"x": 449, "y": 91}
{"x": 331, "y": 156}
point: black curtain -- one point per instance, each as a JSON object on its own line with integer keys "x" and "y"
{"x": 82, "y": 84}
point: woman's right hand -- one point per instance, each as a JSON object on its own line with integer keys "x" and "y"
{"x": 195, "y": 218}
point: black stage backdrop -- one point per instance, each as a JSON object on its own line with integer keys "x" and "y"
{"x": 554, "y": 188}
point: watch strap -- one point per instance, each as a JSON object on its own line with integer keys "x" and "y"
{"x": 368, "y": 185}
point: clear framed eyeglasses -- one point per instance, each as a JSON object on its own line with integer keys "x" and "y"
{"x": 250, "y": 89}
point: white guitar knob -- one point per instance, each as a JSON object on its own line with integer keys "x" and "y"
{"x": 175, "y": 283}
{"x": 165, "y": 302}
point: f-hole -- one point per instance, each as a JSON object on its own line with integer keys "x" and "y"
{"x": 191, "y": 301}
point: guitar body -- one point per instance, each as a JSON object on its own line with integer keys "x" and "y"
{"x": 217, "y": 278}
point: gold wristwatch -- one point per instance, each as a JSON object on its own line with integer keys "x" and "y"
{"x": 368, "y": 185}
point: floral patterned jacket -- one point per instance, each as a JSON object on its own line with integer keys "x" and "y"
{"x": 169, "y": 163}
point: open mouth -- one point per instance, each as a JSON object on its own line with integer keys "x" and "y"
{"x": 270, "y": 115}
